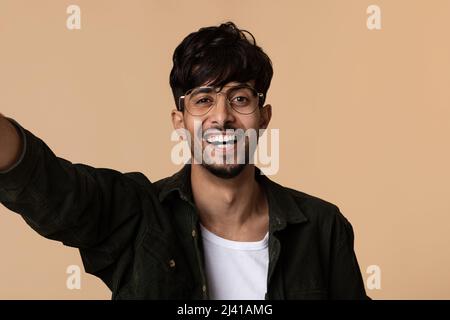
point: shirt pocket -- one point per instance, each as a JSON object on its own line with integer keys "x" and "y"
{"x": 158, "y": 271}
{"x": 165, "y": 266}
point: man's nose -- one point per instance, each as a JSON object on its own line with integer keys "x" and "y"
{"x": 222, "y": 112}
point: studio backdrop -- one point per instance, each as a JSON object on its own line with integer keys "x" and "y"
{"x": 360, "y": 98}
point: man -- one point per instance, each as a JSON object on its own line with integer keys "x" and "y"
{"x": 214, "y": 230}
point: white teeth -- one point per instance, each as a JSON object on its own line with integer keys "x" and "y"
{"x": 220, "y": 138}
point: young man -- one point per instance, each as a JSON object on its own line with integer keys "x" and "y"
{"x": 214, "y": 230}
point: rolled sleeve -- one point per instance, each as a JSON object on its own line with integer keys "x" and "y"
{"x": 16, "y": 176}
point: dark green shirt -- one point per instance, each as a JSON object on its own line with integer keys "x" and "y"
{"x": 142, "y": 238}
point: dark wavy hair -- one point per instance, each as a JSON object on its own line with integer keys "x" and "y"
{"x": 219, "y": 54}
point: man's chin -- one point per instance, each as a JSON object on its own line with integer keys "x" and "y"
{"x": 226, "y": 171}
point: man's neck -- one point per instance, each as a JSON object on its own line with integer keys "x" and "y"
{"x": 235, "y": 208}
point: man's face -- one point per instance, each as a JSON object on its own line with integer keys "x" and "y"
{"x": 223, "y": 140}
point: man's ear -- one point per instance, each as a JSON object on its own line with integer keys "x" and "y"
{"x": 177, "y": 119}
{"x": 266, "y": 115}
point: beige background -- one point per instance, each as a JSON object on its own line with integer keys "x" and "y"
{"x": 364, "y": 118}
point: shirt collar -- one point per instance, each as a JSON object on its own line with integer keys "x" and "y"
{"x": 283, "y": 208}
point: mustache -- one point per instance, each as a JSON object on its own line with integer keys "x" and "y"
{"x": 202, "y": 132}
{"x": 221, "y": 128}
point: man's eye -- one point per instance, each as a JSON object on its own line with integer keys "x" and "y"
{"x": 203, "y": 101}
{"x": 240, "y": 99}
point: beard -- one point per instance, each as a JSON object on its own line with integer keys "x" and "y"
{"x": 223, "y": 164}
{"x": 224, "y": 172}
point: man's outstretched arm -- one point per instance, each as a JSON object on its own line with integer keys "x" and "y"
{"x": 95, "y": 209}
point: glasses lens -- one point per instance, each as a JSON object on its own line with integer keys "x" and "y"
{"x": 243, "y": 99}
{"x": 200, "y": 100}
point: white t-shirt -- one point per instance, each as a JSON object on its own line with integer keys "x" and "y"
{"x": 234, "y": 269}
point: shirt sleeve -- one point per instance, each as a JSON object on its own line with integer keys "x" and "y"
{"x": 346, "y": 281}
{"x": 23, "y": 141}
{"x": 95, "y": 209}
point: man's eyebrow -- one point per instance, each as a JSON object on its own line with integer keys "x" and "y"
{"x": 236, "y": 84}
{"x": 204, "y": 89}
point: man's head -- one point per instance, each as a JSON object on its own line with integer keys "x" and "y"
{"x": 237, "y": 75}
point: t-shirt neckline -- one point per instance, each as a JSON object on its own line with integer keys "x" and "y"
{"x": 231, "y": 244}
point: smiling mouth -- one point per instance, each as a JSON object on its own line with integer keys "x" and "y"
{"x": 221, "y": 140}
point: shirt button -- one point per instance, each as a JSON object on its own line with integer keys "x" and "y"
{"x": 204, "y": 288}
{"x": 193, "y": 233}
{"x": 172, "y": 263}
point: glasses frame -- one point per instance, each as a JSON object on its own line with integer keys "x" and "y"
{"x": 181, "y": 104}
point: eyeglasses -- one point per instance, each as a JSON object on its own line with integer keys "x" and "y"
{"x": 243, "y": 99}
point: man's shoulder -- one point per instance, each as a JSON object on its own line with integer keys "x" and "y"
{"x": 139, "y": 178}
{"x": 158, "y": 186}
{"x": 321, "y": 215}
{"x": 308, "y": 201}
{"x": 314, "y": 208}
